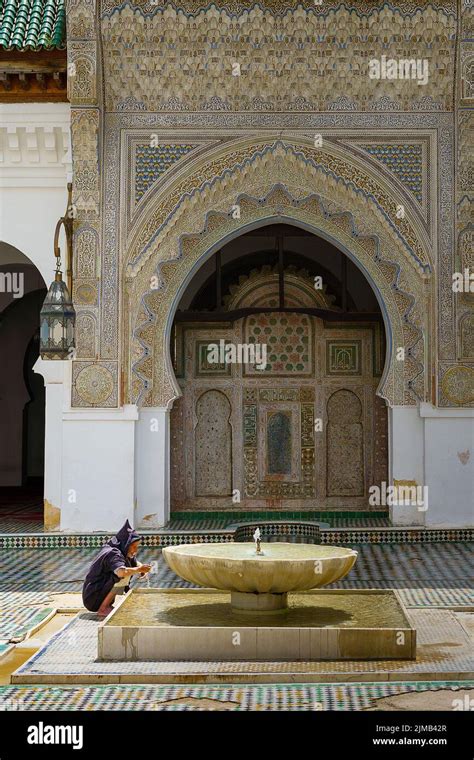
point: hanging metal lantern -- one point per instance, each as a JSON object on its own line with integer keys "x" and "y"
{"x": 57, "y": 320}
{"x": 57, "y": 315}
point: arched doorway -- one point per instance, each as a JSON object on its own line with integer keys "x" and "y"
{"x": 169, "y": 247}
{"x": 22, "y": 396}
{"x": 294, "y": 295}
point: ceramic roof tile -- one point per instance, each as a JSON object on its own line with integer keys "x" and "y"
{"x": 32, "y": 24}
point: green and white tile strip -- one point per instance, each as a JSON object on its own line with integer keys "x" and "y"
{"x": 166, "y": 538}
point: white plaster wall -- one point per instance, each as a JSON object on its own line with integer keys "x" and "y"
{"x": 435, "y": 448}
{"x": 449, "y": 465}
{"x": 406, "y": 461}
{"x": 89, "y": 457}
{"x": 152, "y": 508}
{"x": 97, "y": 489}
{"x": 35, "y": 166}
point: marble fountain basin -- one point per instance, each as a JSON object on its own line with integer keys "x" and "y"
{"x": 260, "y": 582}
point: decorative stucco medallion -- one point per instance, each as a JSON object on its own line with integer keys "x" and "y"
{"x": 94, "y": 385}
{"x": 86, "y": 294}
{"x": 458, "y": 385}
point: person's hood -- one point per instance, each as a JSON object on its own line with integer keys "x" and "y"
{"x": 125, "y": 536}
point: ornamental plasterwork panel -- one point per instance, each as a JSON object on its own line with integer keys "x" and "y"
{"x": 411, "y": 162}
{"x": 457, "y": 382}
{"x": 465, "y": 153}
{"x": 86, "y": 292}
{"x": 86, "y": 250}
{"x": 468, "y": 73}
{"x": 143, "y": 67}
{"x": 82, "y": 73}
{"x": 85, "y": 124}
{"x": 81, "y": 19}
{"x": 345, "y": 445}
{"x": 94, "y": 384}
{"x": 343, "y": 357}
{"x": 457, "y": 385}
{"x": 329, "y": 169}
{"x": 466, "y": 336}
{"x": 342, "y": 221}
{"x": 86, "y": 334}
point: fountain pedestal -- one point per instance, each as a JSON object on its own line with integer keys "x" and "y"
{"x": 262, "y": 603}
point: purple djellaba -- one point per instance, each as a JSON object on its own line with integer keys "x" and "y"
{"x": 110, "y": 569}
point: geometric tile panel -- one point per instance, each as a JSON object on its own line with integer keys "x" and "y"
{"x": 208, "y": 364}
{"x": 216, "y": 534}
{"x": 19, "y": 622}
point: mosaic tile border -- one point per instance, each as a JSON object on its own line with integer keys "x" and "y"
{"x": 164, "y": 538}
{"x": 275, "y": 697}
{"x": 282, "y": 531}
{"x": 274, "y": 514}
{"x": 18, "y": 623}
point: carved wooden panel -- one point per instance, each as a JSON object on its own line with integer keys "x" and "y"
{"x": 213, "y": 445}
{"x": 345, "y": 454}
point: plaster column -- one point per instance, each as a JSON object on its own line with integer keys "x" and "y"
{"x": 55, "y": 374}
{"x": 152, "y": 468}
{"x": 89, "y": 459}
{"x": 406, "y": 460}
{"x": 97, "y": 490}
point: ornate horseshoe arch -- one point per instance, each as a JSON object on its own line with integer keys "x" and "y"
{"x": 204, "y": 220}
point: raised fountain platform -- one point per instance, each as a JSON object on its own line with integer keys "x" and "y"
{"x": 201, "y": 625}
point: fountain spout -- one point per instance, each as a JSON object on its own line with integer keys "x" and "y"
{"x": 257, "y": 539}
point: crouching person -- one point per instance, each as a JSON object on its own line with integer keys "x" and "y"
{"x": 110, "y": 572}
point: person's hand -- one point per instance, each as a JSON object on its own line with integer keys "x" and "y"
{"x": 144, "y": 569}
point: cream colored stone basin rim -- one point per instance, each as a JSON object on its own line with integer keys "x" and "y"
{"x": 282, "y": 567}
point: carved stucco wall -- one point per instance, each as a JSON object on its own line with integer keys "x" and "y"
{"x": 144, "y": 79}
{"x": 190, "y": 50}
{"x": 457, "y": 382}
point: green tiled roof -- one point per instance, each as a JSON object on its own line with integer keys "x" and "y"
{"x": 32, "y": 24}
